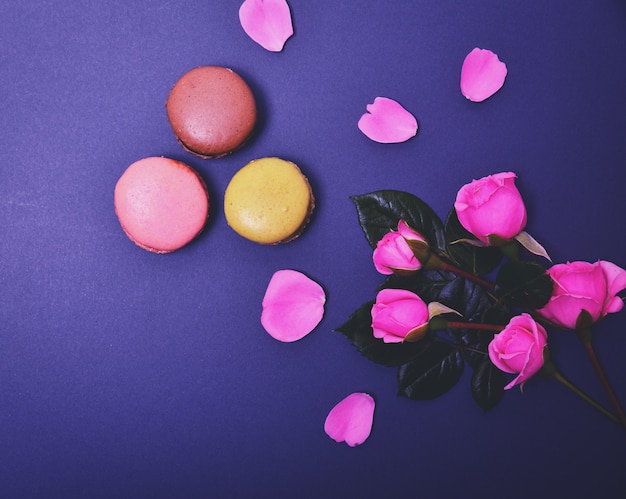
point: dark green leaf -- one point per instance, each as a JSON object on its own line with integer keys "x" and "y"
{"x": 474, "y": 259}
{"x": 474, "y": 343}
{"x": 358, "y": 329}
{"x": 488, "y": 385}
{"x": 432, "y": 373}
{"x": 467, "y": 298}
{"x": 474, "y": 346}
{"x": 379, "y": 212}
{"x": 524, "y": 284}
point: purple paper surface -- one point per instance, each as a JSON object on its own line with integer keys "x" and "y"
{"x": 130, "y": 374}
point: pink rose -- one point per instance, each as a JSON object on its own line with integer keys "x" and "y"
{"x": 393, "y": 253}
{"x": 518, "y": 348}
{"x": 584, "y": 286}
{"x": 396, "y": 313}
{"x": 491, "y": 206}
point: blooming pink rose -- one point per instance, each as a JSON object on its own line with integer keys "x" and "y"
{"x": 582, "y": 286}
{"x": 393, "y": 252}
{"x": 491, "y": 205}
{"x": 396, "y": 313}
{"x": 518, "y": 348}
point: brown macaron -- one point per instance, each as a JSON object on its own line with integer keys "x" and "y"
{"x": 212, "y": 111}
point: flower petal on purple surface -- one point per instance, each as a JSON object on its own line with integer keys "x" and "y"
{"x": 386, "y": 121}
{"x": 267, "y": 22}
{"x": 482, "y": 75}
{"x": 351, "y": 420}
{"x": 293, "y": 306}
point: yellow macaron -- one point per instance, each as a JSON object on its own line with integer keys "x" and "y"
{"x": 268, "y": 201}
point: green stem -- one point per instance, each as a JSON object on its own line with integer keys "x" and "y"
{"x": 511, "y": 250}
{"x": 605, "y": 383}
{"x": 584, "y": 334}
{"x": 559, "y": 377}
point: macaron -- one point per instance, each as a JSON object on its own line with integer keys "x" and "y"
{"x": 162, "y": 204}
{"x": 269, "y": 201}
{"x": 212, "y": 111}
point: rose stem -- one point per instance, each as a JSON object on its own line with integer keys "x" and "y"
{"x": 605, "y": 382}
{"x": 467, "y": 275}
{"x": 557, "y": 376}
{"x": 474, "y": 325}
{"x": 584, "y": 333}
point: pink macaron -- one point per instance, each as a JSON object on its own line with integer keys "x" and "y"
{"x": 162, "y": 204}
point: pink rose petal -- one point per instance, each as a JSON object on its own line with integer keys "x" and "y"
{"x": 350, "y": 421}
{"x": 616, "y": 281}
{"x": 292, "y": 306}
{"x": 267, "y": 22}
{"x": 387, "y": 122}
{"x": 482, "y": 75}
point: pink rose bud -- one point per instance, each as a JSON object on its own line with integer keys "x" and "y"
{"x": 491, "y": 206}
{"x": 397, "y": 313}
{"x": 393, "y": 253}
{"x": 582, "y": 286}
{"x": 518, "y": 348}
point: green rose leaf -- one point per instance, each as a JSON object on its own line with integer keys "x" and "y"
{"x": 474, "y": 346}
{"x": 358, "y": 329}
{"x": 432, "y": 373}
{"x": 379, "y": 213}
{"x": 474, "y": 343}
{"x": 487, "y": 385}
{"x": 478, "y": 260}
{"x": 524, "y": 284}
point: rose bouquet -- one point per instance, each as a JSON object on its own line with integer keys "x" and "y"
{"x": 475, "y": 290}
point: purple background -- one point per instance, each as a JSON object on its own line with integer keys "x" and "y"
{"x": 128, "y": 374}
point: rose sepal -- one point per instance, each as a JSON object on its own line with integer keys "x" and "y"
{"x": 583, "y": 328}
{"x": 497, "y": 241}
{"x": 421, "y": 250}
{"x": 417, "y": 334}
{"x": 532, "y": 245}
{"x": 402, "y": 272}
{"x": 435, "y": 309}
{"x": 427, "y": 257}
{"x": 471, "y": 242}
